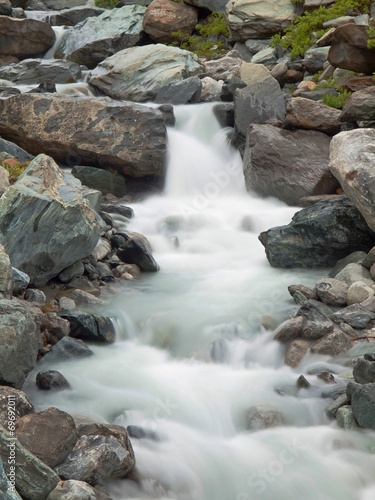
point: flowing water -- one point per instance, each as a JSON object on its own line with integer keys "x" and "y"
{"x": 193, "y": 354}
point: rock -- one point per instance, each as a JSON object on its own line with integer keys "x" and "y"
{"x": 264, "y": 417}
{"x": 129, "y": 137}
{"x": 7, "y": 489}
{"x": 116, "y": 207}
{"x": 71, "y": 17}
{"x": 102, "y": 249}
{"x": 364, "y": 371}
{"x": 349, "y": 49}
{"x": 73, "y": 271}
{"x": 20, "y": 281}
{"x": 225, "y": 67}
{"x": 332, "y": 291}
{"x": 313, "y": 310}
{"x": 55, "y": 203}
{"x": 50, "y": 435}
{"x": 97, "y": 38}
{"x": 369, "y": 259}
{"x": 15, "y": 151}
{"x": 267, "y": 56}
{"x": 51, "y": 379}
{"x": 311, "y": 115}
{"x": 212, "y": 5}
{"x": 362, "y": 399}
{"x": 32, "y": 71}
{"x": 15, "y": 400}
{"x": 5, "y": 8}
{"x": 327, "y": 377}
{"x": 66, "y": 349}
{"x": 34, "y": 479}
{"x": 5, "y": 275}
{"x": 260, "y": 101}
{"x": 352, "y": 273}
{"x": 253, "y": 19}
{"x": 315, "y": 59}
{"x": 102, "y": 180}
{"x": 105, "y": 272}
{"x": 333, "y": 344}
{"x": 86, "y": 326}
{"x": 76, "y": 490}
{"x": 359, "y": 106}
{"x": 211, "y": 89}
{"x": 318, "y": 236}
{"x": 287, "y": 164}
{"x": 163, "y": 18}
{"x": 96, "y": 458}
{"x": 358, "y": 292}
{"x": 24, "y": 38}
{"x": 18, "y": 341}
{"x": 352, "y": 258}
{"x": 345, "y": 418}
{"x": 355, "y": 315}
{"x": 81, "y": 297}
{"x": 4, "y": 180}
{"x": 139, "y": 433}
{"x": 188, "y": 90}
{"x": 35, "y": 296}
{"x": 67, "y": 304}
{"x": 354, "y": 83}
{"x": 296, "y": 351}
{"x": 56, "y": 326}
{"x": 123, "y": 76}
{"x": 303, "y": 383}
{"x": 135, "y": 251}
{"x": 131, "y": 269}
{"x": 332, "y": 409}
{"x": 61, "y": 4}
{"x": 314, "y": 330}
{"x": 308, "y": 293}
{"x": 290, "y": 329}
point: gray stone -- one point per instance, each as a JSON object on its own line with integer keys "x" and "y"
{"x": 359, "y": 106}
{"x": 333, "y": 344}
{"x": 369, "y": 259}
{"x": 99, "y": 131}
{"x": 15, "y": 400}
{"x": 62, "y": 4}
{"x": 18, "y": 341}
{"x": 313, "y": 310}
{"x": 73, "y": 271}
{"x": 35, "y": 296}
{"x": 359, "y": 292}
{"x": 290, "y": 329}
{"x": 4, "y": 180}
{"x": 287, "y": 164}
{"x": 264, "y": 417}
{"x": 136, "y": 251}
{"x": 352, "y": 258}
{"x": 83, "y": 298}
{"x": 296, "y": 351}
{"x": 212, "y": 5}
{"x": 34, "y": 479}
{"x": 352, "y": 273}
{"x": 7, "y": 490}
{"x": 316, "y": 58}
{"x": 258, "y": 19}
{"x": 302, "y": 290}
{"x": 267, "y": 56}
{"x": 102, "y": 249}
{"x": 32, "y": 71}
{"x": 66, "y": 349}
{"x": 102, "y": 180}
{"x": 318, "y": 236}
{"x": 20, "y": 281}
{"x": 180, "y": 92}
{"x": 50, "y": 435}
{"x": 71, "y": 17}
{"x": 314, "y": 330}
{"x": 76, "y": 490}
{"x": 51, "y": 379}
{"x": 211, "y": 89}
{"x": 54, "y": 203}
{"x": 345, "y": 418}
{"x": 332, "y": 409}
{"x": 97, "y": 38}
{"x": 123, "y": 75}
{"x": 355, "y": 315}
{"x": 332, "y": 292}
{"x": 364, "y": 371}
{"x": 16, "y": 152}
{"x": 5, "y": 8}
{"x": 86, "y": 326}
{"x": 362, "y": 399}
{"x": 5, "y": 275}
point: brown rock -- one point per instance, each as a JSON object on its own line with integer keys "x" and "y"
{"x": 333, "y": 344}
{"x": 50, "y": 435}
{"x": 296, "y": 352}
{"x": 309, "y": 114}
{"x": 56, "y": 326}
{"x": 290, "y": 329}
{"x": 16, "y": 400}
{"x": 24, "y": 37}
{"x": 355, "y": 83}
{"x": 359, "y": 106}
{"x": 349, "y": 49}
{"x": 164, "y": 17}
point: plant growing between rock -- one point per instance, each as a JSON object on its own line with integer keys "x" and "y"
{"x": 14, "y": 168}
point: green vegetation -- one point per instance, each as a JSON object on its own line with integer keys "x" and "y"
{"x": 105, "y": 4}
{"x": 301, "y": 34}
{"x": 371, "y": 38}
{"x": 209, "y": 38}
{"x": 14, "y": 168}
{"x": 336, "y": 101}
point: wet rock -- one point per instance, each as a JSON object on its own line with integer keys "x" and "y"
{"x": 5, "y": 275}
{"x": 318, "y": 236}
{"x": 70, "y": 272}
{"x": 264, "y": 417}
{"x": 24, "y": 38}
{"x": 364, "y": 371}
{"x": 355, "y": 315}
{"x": 333, "y": 344}
{"x": 76, "y": 490}
{"x": 287, "y": 164}
{"x": 290, "y": 329}
{"x": 18, "y": 343}
{"x": 311, "y": 115}
{"x": 32, "y": 71}
{"x": 20, "y": 281}
{"x": 188, "y": 90}
{"x": 34, "y": 479}
{"x": 102, "y": 180}
{"x": 332, "y": 292}
{"x": 99, "y": 131}
{"x": 303, "y": 383}
{"x": 359, "y": 106}
{"x": 314, "y": 310}
{"x": 86, "y": 326}
{"x": 332, "y": 409}
{"x": 359, "y": 292}
{"x": 362, "y": 399}
{"x": 123, "y": 75}
{"x": 327, "y": 377}
{"x": 105, "y": 272}
{"x": 117, "y": 207}
{"x": 163, "y": 18}
{"x": 314, "y": 330}
{"x": 131, "y": 269}
{"x": 296, "y": 351}
{"x": 136, "y": 432}
{"x": 135, "y": 251}
{"x": 301, "y": 293}
{"x": 353, "y": 273}
{"x": 51, "y": 379}
{"x": 50, "y": 435}
{"x": 55, "y": 325}
{"x": 66, "y": 349}
{"x": 16, "y": 400}
{"x": 100, "y": 37}
{"x": 253, "y": 19}
{"x": 345, "y": 418}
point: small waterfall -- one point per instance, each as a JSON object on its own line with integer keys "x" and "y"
{"x": 60, "y": 32}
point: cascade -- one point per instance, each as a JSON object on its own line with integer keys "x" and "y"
{"x": 194, "y": 354}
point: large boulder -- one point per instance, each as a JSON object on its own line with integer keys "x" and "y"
{"x": 318, "y": 236}
{"x": 258, "y": 19}
{"x": 14, "y": 400}
{"x": 287, "y": 164}
{"x": 312, "y": 115}
{"x": 363, "y": 403}
{"x": 212, "y": 5}
{"x": 15, "y": 151}
{"x": 31, "y": 71}
{"x": 19, "y": 343}
{"x": 163, "y": 18}
{"x": 86, "y": 326}
{"x": 100, "y": 132}
{"x": 260, "y": 101}
{"x": 102, "y": 180}
{"x": 5, "y": 275}
{"x": 60, "y": 4}
{"x": 96, "y": 38}
{"x": 359, "y": 106}
{"x": 24, "y": 37}
{"x": 76, "y": 490}
{"x": 46, "y": 211}
{"x": 140, "y": 73}
{"x": 352, "y": 163}
{"x": 71, "y": 17}
{"x": 349, "y": 49}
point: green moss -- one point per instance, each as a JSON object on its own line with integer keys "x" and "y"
{"x": 371, "y": 38}
{"x": 338, "y": 101}
{"x": 299, "y": 36}
{"x": 105, "y": 4}
{"x": 14, "y": 168}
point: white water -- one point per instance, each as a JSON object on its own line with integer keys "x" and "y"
{"x": 192, "y": 356}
